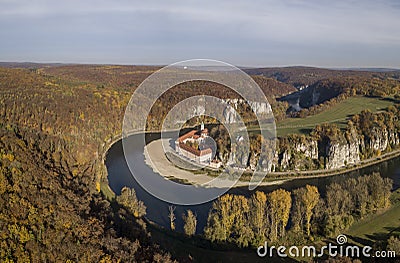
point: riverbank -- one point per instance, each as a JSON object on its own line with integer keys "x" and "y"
{"x": 119, "y": 176}
{"x": 290, "y": 175}
{"x": 161, "y": 165}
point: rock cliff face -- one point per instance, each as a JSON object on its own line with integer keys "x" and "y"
{"x": 297, "y": 148}
{"x": 394, "y": 138}
{"x": 230, "y": 115}
{"x": 298, "y": 153}
{"x": 260, "y": 107}
{"x": 328, "y": 147}
{"x": 237, "y": 104}
{"x": 344, "y": 151}
{"x": 379, "y": 139}
{"x": 319, "y": 92}
{"x": 340, "y": 154}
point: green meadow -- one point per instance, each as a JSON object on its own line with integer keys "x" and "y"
{"x": 338, "y": 114}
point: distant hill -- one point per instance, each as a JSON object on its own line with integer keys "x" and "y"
{"x": 303, "y": 76}
{"x": 131, "y": 76}
{"x": 32, "y": 65}
{"x": 369, "y": 69}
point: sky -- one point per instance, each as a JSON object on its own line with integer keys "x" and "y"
{"x": 324, "y": 33}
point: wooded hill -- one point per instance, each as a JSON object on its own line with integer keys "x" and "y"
{"x": 56, "y": 123}
{"x": 53, "y": 133}
{"x": 302, "y": 76}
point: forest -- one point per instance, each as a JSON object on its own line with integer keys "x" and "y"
{"x": 303, "y": 214}
{"x": 51, "y": 206}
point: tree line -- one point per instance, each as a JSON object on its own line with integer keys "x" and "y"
{"x": 302, "y": 214}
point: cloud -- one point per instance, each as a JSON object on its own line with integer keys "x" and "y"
{"x": 209, "y": 27}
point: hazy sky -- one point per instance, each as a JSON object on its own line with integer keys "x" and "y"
{"x": 330, "y": 33}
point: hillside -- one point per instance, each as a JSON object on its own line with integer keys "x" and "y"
{"x": 303, "y": 76}
{"x": 50, "y": 203}
{"x": 47, "y": 115}
{"x": 338, "y": 114}
{"x": 56, "y": 124}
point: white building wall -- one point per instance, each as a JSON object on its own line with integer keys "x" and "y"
{"x": 203, "y": 158}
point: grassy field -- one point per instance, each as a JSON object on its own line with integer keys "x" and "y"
{"x": 377, "y": 227}
{"x": 337, "y": 114}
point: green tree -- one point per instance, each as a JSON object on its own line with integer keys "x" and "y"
{"x": 214, "y": 230}
{"x": 339, "y": 207}
{"x": 380, "y": 191}
{"x": 358, "y": 189}
{"x": 3, "y": 181}
{"x": 220, "y": 219}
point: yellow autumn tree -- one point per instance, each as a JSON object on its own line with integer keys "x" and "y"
{"x": 190, "y": 223}
{"x": 280, "y": 202}
{"x": 129, "y": 200}
{"x": 241, "y": 230}
{"x": 258, "y": 202}
{"x": 220, "y": 221}
{"x": 310, "y": 199}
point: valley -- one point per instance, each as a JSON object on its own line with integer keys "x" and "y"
{"x": 60, "y": 125}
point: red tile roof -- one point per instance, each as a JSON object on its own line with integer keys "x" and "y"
{"x": 193, "y": 150}
{"x": 187, "y": 135}
{"x": 193, "y": 134}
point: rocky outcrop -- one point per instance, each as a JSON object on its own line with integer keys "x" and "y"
{"x": 230, "y": 114}
{"x": 297, "y": 148}
{"x": 296, "y": 153}
{"x": 394, "y": 138}
{"x": 309, "y": 148}
{"x": 260, "y": 107}
{"x": 340, "y": 154}
{"x": 343, "y": 151}
{"x": 379, "y": 139}
{"x": 317, "y": 93}
{"x": 328, "y": 147}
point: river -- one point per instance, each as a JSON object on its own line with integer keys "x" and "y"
{"x": 119, "y": 176}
